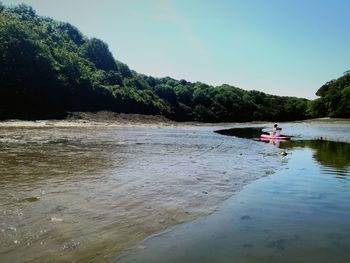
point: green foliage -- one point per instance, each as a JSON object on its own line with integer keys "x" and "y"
{"x": 201, "y": 95}
{"x": 202, "y": 113}
{"x": 139, "y": 101}
{"x": 167, "y": 93}
{"x": 123, "y": 69}
{"x": 136, "y": 82}
{"x": 26, "y": 69}
{"x": 334, "y": 99}
{"x": 98, "y": 53}
{"x": 328, "y": 153}
{"x": 50, "y": 67}
{"x": 2, "y": 7}
{"x": 184, "y": 94}
{"x": 23, "y": 12}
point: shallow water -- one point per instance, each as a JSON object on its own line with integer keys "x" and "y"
{"x": 301, "y": 213}
{"x": 308, "y": 130}
{"x": 85, "y": 194}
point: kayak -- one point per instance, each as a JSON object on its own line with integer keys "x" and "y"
{"x": 271, "y": 137}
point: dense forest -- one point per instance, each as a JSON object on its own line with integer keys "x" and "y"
{"x": 49, "y": 68}
{"x": 334, "y": 99}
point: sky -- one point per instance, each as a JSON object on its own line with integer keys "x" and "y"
{"x": 281, "y": 47}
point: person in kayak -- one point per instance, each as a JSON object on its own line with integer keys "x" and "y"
{"x": 276, "y": 131}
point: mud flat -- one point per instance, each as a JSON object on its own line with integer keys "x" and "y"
{"x": 86, "y": 190}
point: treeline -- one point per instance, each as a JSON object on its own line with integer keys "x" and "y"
{"x": 334, "y": 99}
{"x": 49, "y": 68}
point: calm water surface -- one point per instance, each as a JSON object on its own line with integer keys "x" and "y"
{"x": 301, "y": 213}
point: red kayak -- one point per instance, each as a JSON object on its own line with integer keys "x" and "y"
{"x": 268, "y": 137}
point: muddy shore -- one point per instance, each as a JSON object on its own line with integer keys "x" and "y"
{"x": 84, "y": 189}
{"x": 131, "y": 120}
{"x": 88, "y": 187}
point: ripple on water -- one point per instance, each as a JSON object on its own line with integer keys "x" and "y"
{"x": 300, "y": 214}
{"x": 87, "y": 194}
{"x": 115, "y": 186}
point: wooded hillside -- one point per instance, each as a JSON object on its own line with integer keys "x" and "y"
{"x": 50, "y": 67}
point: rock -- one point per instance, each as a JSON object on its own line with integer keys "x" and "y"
{"x": 31, "y": 199}
{"x": 283, "y": 153}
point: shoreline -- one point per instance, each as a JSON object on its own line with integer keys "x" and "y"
{"x": 88, "y": 119}
{"x": 193, "y": 170}
{"x": 137, "y": 182}
{"x": 107, "y": 118}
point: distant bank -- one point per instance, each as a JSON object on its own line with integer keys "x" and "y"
{"x": 49, "y": 68}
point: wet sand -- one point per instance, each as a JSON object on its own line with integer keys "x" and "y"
{"x": 86, "y": 188}
{"x": 84, "y": 191}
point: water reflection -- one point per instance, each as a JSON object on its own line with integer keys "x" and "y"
{"x": 296, "y": 215}
{"x": 246, "y": 132}
{"x": 328, "y": 153}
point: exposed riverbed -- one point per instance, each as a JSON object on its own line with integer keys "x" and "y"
{"x": 83, "y": 191}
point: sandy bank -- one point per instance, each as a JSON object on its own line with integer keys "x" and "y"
{"x": 88, "y": 119}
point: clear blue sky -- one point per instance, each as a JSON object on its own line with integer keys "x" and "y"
{"x": 282, "y": 47}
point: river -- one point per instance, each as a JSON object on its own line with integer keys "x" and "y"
{"x": 87, "y": 193}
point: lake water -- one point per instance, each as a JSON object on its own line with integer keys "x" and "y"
{"x": 301, "y": 213}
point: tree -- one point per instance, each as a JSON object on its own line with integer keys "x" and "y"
{"x": 184, "y": 94}
{"x": 72, "y": 32}
{"x": 346, "y": 73}
{"x": 201, "y": 96}
{"x": 50, "y": 67}
{"x": 2, "y": 7}
{"x": 123, "y": 69}
{"x": 167, "y": 93}
{"x": 24, "y": 12}
{"x": 98, "y": 53}
{"x": 334, "y": 98}
{"x": 202, "y": 113}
